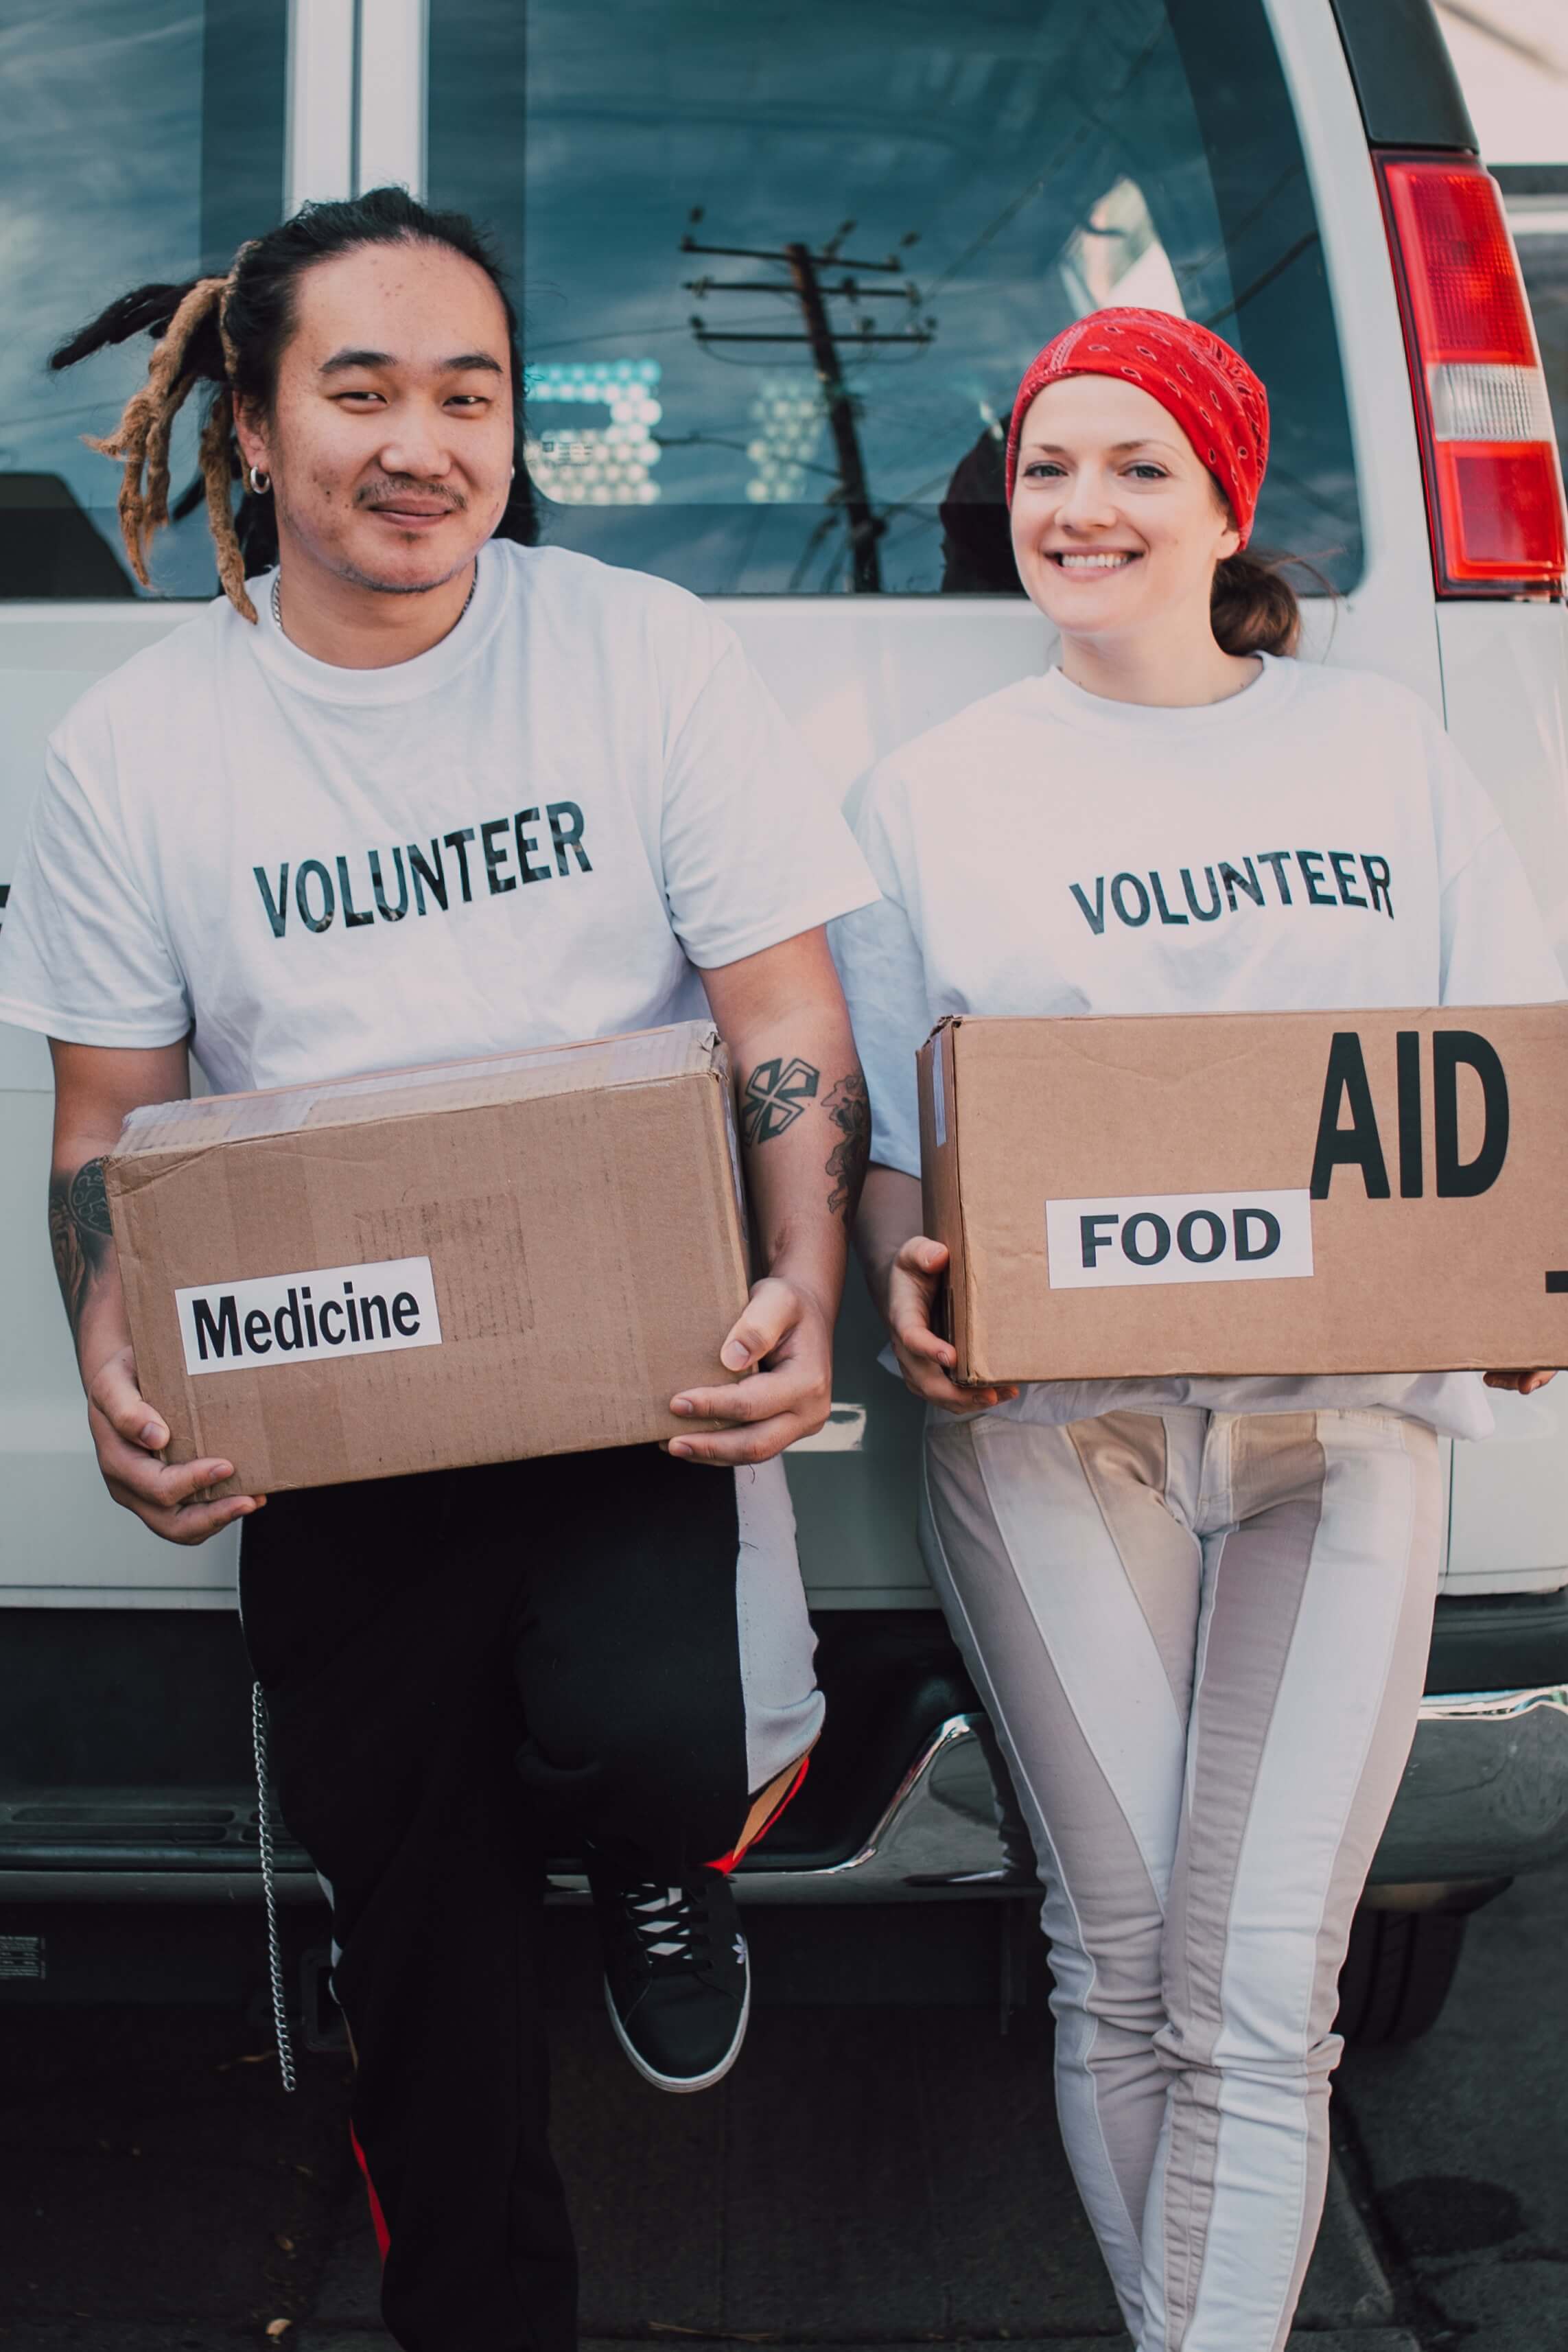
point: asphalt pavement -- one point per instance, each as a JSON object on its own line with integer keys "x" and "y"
{"x": 880, "y": 2173}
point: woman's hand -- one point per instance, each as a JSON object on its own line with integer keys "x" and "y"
{"x": 926, "y": 1358}
{"x": 903, "y": 1269}
{"x": 787, "y": 1334}
{"x": 1522, "y": 1384}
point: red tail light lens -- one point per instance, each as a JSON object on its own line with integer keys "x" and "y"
{"x": 1494, "y": 484}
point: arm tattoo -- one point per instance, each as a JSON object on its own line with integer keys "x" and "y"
{"x": 848, "y": 1106}
{"x": 774, "y": 1096}
{"x": 80, "y": 1234}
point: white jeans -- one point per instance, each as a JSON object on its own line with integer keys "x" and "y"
{"x": 1202, "y": 1640}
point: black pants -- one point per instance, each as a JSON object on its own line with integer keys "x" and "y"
{"x": 466, "y": 1672}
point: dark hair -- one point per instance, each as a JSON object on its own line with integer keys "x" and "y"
{"x": 230, "y": 334}
{"x": 1253, "y": 606}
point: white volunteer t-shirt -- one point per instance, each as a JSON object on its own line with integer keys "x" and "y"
{"x": 532, "y": 833}
{"x": 1313, "y": 842}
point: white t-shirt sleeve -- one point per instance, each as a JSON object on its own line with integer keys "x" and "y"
{"x": 884, "y": 974}
{"x": 1494, "y": 943}
{"x": 82, "y": 956}
{"x": 754, "y": 849}
{"x": 1495, "y": 948}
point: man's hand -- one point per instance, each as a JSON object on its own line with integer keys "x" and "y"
{"x": 1522, "y": 1384}
{"x": 130, "y": 1436}
{"x": 788, "y": 1332}
{"x": 95, "y": 1086}
{"x": 926, "y": 1358}
{"x": 804, "y": 1125}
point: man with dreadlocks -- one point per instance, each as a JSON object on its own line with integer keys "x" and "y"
{"x": 412, "y": 790}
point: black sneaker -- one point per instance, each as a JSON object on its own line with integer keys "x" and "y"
{"x": 677, "y": 1982}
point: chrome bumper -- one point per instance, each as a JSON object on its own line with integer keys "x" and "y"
{"x": 1485, "y": 1795}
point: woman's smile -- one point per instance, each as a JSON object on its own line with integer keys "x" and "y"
{"x": 1104, "y": 558}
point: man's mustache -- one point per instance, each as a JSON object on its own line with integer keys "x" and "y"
{"x": 387, "y": 492}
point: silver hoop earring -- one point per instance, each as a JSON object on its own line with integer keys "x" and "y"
{"x": 260, "y": 483}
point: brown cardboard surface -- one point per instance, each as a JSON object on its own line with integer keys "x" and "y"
{"x": 1015, "y": 1114}
{"x": 580, "y": 1211}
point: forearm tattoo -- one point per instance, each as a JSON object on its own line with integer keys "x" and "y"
{"x": 774, "y": 1096}
{"x": 849, "y": 1107}
{"x": 80, "y": 1234}
{"x": 773, "y": 1099}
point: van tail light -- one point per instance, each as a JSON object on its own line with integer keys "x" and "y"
{"x": 1489, "y": 454}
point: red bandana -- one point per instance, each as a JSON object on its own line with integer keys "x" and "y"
{"x": 1209, "y": 389}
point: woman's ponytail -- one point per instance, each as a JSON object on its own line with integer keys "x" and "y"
{"x": 1253, "y": 608}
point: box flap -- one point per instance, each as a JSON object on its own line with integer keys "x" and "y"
{"x": 684, "y": 1048}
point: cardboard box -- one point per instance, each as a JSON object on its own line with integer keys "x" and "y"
{"x": 528, "y": 1253}
{"x": 1251, "y": 1192}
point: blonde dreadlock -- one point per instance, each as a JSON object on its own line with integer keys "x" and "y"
{"x": 142, "y": 437}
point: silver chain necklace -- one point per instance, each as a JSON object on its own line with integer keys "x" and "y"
{"x": 277, "y": 598}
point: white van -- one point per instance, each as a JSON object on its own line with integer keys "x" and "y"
{"x": 780, "y": 273}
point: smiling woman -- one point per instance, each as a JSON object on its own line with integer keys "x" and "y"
{"x": 1133, "y": 463}
{"x": 1194, "y": 1606}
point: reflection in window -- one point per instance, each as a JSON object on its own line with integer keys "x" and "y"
{"x": 1117, "y": 256}
{"x": 142, "y": 144}
{"x": 590, "y": 428}
{"x": 840, "y": 234}
{"x": 787, "y": 419}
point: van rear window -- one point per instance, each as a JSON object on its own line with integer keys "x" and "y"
{"x": 782, "y": 268}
